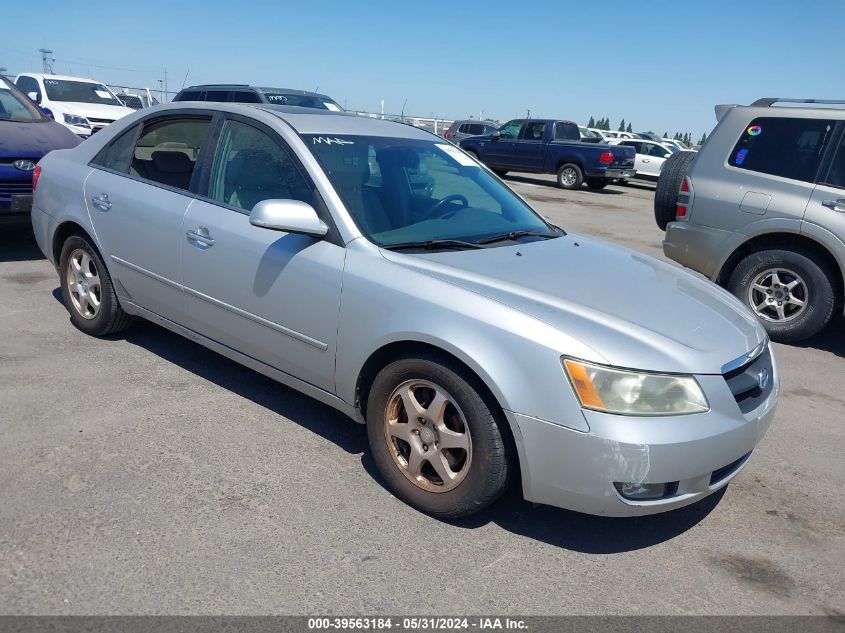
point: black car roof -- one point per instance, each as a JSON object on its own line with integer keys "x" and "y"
{"x": 289, "y": 91}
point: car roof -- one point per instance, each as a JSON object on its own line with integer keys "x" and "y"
{"x": 60, "y": 77}
{"x": 289, "y": 91}
{"x": 308, "y": 120}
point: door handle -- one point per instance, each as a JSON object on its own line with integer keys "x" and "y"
{"x": 200, "y": 237}
{"x": 836, "y": 205}
{"x": 646, "y": 160}
{"x": 102, "y": 202}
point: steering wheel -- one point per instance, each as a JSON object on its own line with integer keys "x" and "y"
{"x": 455, "y": 197}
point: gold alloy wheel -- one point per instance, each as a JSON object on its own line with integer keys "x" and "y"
{"x": 427, "y": 436}
{"x": 83, "y": 284}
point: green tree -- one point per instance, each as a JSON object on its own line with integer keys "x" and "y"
{"x": 703, "y": 138}
{"x": 622, "y": 126}
{"x": 629, "y": 129}
{"x": 665, "y": 134}
{"x": 606, "y": 123}
{"x": 591, "y": 122}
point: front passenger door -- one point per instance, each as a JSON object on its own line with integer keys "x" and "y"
{"x": 271, "y": 295}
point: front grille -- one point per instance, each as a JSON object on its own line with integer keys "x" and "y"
{"x": 752, "y": 382}
{"x": 725, "y": 471}
{"x": 100, "y": 121}
{"x": 8, "y": 189}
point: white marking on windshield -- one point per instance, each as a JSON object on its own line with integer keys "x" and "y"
{"x": 318, "y": 140}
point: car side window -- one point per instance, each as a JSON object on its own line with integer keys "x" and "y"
{"x": 567, "y": 132}
{"x": 510, "y": 129}
{"x": 787, "y": 147}
{"x": 836, "y": 173}
{"x": 246, "y": 96}
{"x": 656, "y": 150}
{"x": 464, "y": 128}
{"x": 191, "y": 95}
{"x": 117, "y": 155}
{"x": 251, "y": 166}
{"x": 167, "y": 150}
{"x": 534, "y": 131}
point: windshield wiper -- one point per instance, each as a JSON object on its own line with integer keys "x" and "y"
{"x": 513, "y": 235}
{"x": 431, "y": 245}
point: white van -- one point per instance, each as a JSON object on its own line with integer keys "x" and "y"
{"x": 82, "y": 105}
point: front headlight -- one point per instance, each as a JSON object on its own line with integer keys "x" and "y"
{"x": 78, "y": 121}
{"x": 628, "y": 392}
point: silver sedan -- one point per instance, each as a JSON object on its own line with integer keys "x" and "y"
{"x": 384, "y": 272}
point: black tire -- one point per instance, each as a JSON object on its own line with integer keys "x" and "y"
{"x": 819, "y": 294}
{"x": 109, "y": 317}
{"x": 564, "y": 181}
{"x": 597, "y": 183}
{"x": 488, "y": 469}
{"x": 501, "y": 173}
{"x": 668, "y": 184}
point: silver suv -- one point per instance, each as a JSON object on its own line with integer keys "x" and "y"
{"x": 761, "y": 210}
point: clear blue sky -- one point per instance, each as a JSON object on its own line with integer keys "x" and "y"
{"x": 660, "y": 64}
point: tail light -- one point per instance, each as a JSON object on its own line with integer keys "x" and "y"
{"x": 682, "y": 206}
{"x": 448, "y": 135}
{"x": 36, "y": 174}
{"x": 606, "y": 158}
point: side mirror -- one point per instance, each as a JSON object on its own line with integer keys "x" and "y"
{"x": 495, "y": 136}
{"x": 667, "y": 155}
{"x": 34, "y": 96}
{"x": 291, "y": 216}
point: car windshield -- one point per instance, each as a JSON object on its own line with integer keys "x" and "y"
{"x": 303, "y": 101}
{"x": 672, "y": 148}
{"x": 402, "y": 191}
{"x": 79, "y": 92}
{"x": 15, "y": 107}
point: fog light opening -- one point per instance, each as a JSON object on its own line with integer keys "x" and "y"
{"x": 645, "y": 492}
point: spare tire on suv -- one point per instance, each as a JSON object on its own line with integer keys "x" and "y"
{"x": 668, "y": 184}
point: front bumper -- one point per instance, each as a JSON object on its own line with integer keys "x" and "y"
{"x": 575, "y": 470}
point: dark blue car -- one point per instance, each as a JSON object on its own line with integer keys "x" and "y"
{"x": 26, "y": 135}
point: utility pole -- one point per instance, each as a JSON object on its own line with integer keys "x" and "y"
{"x": 47, "y": 60}
{"x": 529, "y": 114}
{"x": 160, "y": 92}
{"x": 165, "y": 84}
{"x": 403, "y": 109}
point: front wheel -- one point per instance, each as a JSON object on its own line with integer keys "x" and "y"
{"x": 790, "y": 292}
{"x": 88, "y": 291}
{"x": 434, "y": 439}
{"x": 597, "y": 183}
{"x": 570, "y": 176}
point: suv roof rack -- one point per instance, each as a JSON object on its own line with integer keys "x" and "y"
{"x": 768, "y": 101}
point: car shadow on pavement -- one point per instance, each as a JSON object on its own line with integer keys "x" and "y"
{"x": 553, "y": 184}
{"x": 830, "y": 339}
{"x": 227, "y": 374}
{"x": 576, "y": 531}
{"x": 17, "y": 243}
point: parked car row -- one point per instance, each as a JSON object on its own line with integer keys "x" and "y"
{"x": 481, "y": 345}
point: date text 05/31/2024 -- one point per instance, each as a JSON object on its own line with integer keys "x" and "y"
{"x": 416, "y": 623}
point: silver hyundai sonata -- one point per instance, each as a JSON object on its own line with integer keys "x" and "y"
{"x": 386, "y": 273}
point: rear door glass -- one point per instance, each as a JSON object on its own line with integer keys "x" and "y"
{"x": 787, "y": 147}
{"x": 566, "y": 132}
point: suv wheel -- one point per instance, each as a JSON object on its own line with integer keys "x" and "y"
{"x": 87, "y": 290}
{"x": 668, "y": 184}
{"x": 789, "y": 291}
{"x": 434, "y": 439}
{"x": 570, "y": 176}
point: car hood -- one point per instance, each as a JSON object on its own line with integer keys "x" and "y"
{"x": 20, "y": 139}
{"x": 96, "y": 110}
{"x": 633, "y": 310}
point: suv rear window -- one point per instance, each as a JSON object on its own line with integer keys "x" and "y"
{"x": 790, "y": 148}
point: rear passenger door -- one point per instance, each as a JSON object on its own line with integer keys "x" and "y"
{"x": 136, "y": 196}
{"x": 770, "y": 172}
{"x": 271, "y": 295}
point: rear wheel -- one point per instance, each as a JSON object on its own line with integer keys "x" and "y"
{"x": 88, "y": 291}
{"x": 570, "y": 176}
{"x": 501, "y": 173}
{"x": 597, "y": 183}
{"x": 434, "y": 438}
{"x": 790, "y": 292}
{"x": 666, "y": 193}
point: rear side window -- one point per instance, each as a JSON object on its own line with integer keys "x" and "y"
{"x": 190, "y": 95}
{"x": 790, "y": 148}
{"x": 836, "y": 174}
{"x": 566, "y": 132}
{"x": 534, "y": 131}
{"x": 117, "y": 155}
{"x": 218, "y": 95}
{"x": 246, "y": 96}
{"x": 167, "y": 151}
